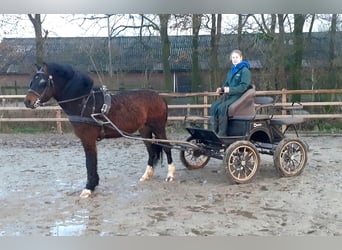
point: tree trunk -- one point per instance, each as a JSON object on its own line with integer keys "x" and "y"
{"x": 296, "y": 64}
{"x": 239, "y": 29}
{"x": 37, "y": 25}
{"x": 281, "y": 76}
{"x": 164, "y": 19}
{"x": 214, "y": 42}
{"x": 195, "y": 79}
{"x": 332, "y": 71}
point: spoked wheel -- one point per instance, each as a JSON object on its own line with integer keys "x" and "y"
{"x": 192, "y": 158}
{"x": 242, "y": 161}
{"x": 290, "y": 157}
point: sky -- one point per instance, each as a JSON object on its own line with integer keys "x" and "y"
{"x": 67, "y": 25}
{"x": 57, "y": 25}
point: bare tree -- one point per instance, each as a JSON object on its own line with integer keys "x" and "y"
{"x": 164, "y": 20}
{"x": 297, "y": 56}
{"x": 9, "y": 23}
{"x": 195, "y": 74}
{"x": 242, "y": 19}
{"x": 276, "y": 53}
{"x": 332, "y": 71}
{"x": 215, "y": 36}
{"x": 37, "y": 22}
{"x": 280, "y": 78}
{"x": 142, "y": 25}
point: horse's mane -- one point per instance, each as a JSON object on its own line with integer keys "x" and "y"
{"x": 76, "y": 82}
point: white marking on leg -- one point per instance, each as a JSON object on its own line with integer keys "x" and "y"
{"x": 148, "y": 173}
{"x": 85, "y": 193}
{"x": 171, "y": 173}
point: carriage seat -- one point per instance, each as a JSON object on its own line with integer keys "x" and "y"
{"x": 244, "y": 106}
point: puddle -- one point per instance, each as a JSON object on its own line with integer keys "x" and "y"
{"x": 68, "y": 230}
{"x": 74, "y": 227}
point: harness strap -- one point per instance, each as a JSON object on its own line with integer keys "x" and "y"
{"x": 107, "y": 100}
{"x": 90, "y": 121}
{"x": 82, "y": 119}
{"x": 73, "y": 99}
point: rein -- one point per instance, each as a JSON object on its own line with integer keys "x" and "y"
{"x": 72, "y": 99}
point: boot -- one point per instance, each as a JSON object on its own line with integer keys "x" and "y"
{"x": 222, "y": 126}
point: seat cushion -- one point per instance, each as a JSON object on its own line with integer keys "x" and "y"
{"x": 244, "y": 105}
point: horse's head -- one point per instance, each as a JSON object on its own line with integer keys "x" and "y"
{"x": 41, "y": 88}
{"x": 59, "y": 81}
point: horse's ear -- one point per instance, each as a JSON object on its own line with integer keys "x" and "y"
{"x": 37, "y": 66}
{"x": 44, "y": 68}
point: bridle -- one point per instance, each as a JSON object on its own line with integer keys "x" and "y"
{"x": 49, "y": 84}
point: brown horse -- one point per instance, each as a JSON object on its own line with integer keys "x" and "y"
{"x": 137, "y": 110}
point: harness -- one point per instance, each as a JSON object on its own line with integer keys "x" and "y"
{"x": 95, "y": 118}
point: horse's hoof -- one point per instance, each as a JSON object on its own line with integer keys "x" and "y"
{"x": 143, "y": 178}
{"x": 148, "y": 174}
{"x": 85, "y": 193}
{"x": 170, "y": 179}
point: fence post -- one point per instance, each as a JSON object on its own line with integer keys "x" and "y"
{"x": 205, "y": 110}
{"x": 59, "y": 123}
{"x": 283, "y": 111}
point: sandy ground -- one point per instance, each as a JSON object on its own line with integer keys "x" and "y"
{"x": 42, "y": 176}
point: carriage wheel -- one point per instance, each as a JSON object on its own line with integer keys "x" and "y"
{"x": 242, "y": 161}
{"x": 192, "y": 158}
{"x": 290, "y": 157}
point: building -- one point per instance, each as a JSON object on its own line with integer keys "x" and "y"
{"x": 137, "y": 61}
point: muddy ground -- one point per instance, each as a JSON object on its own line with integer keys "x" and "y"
{"x": 42, "y": 176}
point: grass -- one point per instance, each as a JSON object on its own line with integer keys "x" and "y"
{"x": 28, "y": 130}
{"x": 328, "y": 127}
{"x": 25, "y": 129}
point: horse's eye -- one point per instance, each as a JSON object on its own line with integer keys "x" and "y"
{"x": 42, "y": 82}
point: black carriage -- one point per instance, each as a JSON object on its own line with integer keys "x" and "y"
{"x": 249, "y": 134}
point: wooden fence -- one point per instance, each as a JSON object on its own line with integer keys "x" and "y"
{"x": 14, "y": 103}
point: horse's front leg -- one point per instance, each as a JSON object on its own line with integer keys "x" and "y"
{"x": 91, "y": 165}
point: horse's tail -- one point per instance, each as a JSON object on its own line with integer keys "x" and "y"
{"x": 158, "y": 153}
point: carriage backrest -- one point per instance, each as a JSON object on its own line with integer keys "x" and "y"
{"x": 245, "y": 105}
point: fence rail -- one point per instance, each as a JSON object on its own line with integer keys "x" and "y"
{"x": 205, "y": 105}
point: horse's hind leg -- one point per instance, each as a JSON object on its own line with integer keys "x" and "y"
{"x": 171, "y": 167}
{"x": 167, "y": 149}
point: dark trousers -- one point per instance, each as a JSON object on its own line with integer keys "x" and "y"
{"x": 220, "y": 124}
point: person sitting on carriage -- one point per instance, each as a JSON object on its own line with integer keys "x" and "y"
{"x": 238, "y": 82}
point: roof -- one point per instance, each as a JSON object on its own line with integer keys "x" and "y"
{"x": 139, "y": 54}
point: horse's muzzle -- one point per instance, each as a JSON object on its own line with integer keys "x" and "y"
{"x": 31, "y": 101}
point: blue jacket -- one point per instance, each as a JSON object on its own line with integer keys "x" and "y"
{"x": 238, "y": 80}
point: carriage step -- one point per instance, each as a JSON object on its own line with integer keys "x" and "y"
{"x": 206, "y": 136}
{"x": 265, "y": 145}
